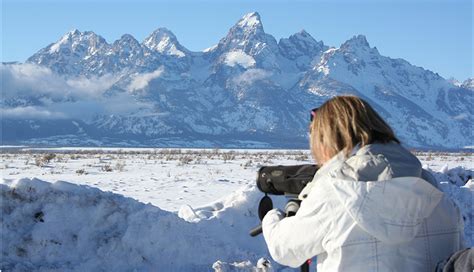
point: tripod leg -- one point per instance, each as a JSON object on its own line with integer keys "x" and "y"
{"x": 305, "y": 267}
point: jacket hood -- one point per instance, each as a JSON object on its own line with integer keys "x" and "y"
{"x": 390, "y": 210}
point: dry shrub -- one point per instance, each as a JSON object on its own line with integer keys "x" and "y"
{"x": 120, "y": 166}
{"x": 185, "y": 159}
{"x": 228, "y": 156}
{"x": 81, "y": 172}
{"x": 106, "y": 168}
{"x": 45, "y": 159}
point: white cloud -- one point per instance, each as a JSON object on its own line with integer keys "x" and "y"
{"x": 125, "y": 103}
{"x": 31, "y": 112}
{"x": 34, "y": 80}
{"x": 59, "y": 98}
{"x": 94, "y": 86}
{"x": 27, "y": 79}
{"x": 461, "y": 116}
{"x": 119, "y": 104}
{"x": 141, "y": 81}
{"x": 251, "y": 75}
{"x": 239, "y": 57}
{"x": 82, "y": 109}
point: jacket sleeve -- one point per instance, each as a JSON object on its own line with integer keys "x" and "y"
{"x": 293, "y": 240}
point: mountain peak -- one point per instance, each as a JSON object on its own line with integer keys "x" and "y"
{"x": 160, "y": 35}
{"x": 165, "y": 42}
{"x": 301, "y": 44}
{"x": 246, "y": 32}
{"x": 303, "y": 33}
{"x": 468, "y": 83}
{"x": 77, "y": 34}
{"x": 71, "y": 34}
{"x": 250, "y": 20}
{"x": 356, "y": 41}
{"x": 74, "y": 32}
{"x": 74, "y": 38}
{"x": 163, "y": 32}
{"x": 358, "y": 44}
{"x": 127, "y": 39}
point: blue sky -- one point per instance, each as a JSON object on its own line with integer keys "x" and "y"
{"x": 436, "y": 35}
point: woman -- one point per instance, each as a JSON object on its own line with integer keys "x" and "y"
{"x": 370, "y": 207}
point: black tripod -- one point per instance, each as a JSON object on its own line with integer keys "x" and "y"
{"x": 291, "y": 208}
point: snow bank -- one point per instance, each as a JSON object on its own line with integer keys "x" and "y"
{"x": 453, "y": 183}
{"x": 66, "y": 227}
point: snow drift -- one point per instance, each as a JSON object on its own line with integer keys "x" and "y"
{"x": 66, "y": 227}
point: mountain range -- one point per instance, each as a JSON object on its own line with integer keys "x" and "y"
{"x": 249, "y": 90}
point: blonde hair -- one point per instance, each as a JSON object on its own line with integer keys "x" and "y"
{"x": 345, "y": 121}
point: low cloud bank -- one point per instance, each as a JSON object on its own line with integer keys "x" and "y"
{"x": 27, "y": 79}
{"x": 251, "y": 75}
{"x": 30, "y": 91}
{"x": 141, "y": 81}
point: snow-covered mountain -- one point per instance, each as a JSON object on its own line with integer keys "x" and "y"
{"x": 468, "y": 84}
{"x": 248, "y": 90}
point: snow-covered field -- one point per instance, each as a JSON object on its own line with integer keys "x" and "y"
{"x": 155, "y": 209}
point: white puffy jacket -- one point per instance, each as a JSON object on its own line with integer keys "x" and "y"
{"x": 370, "y": 212}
